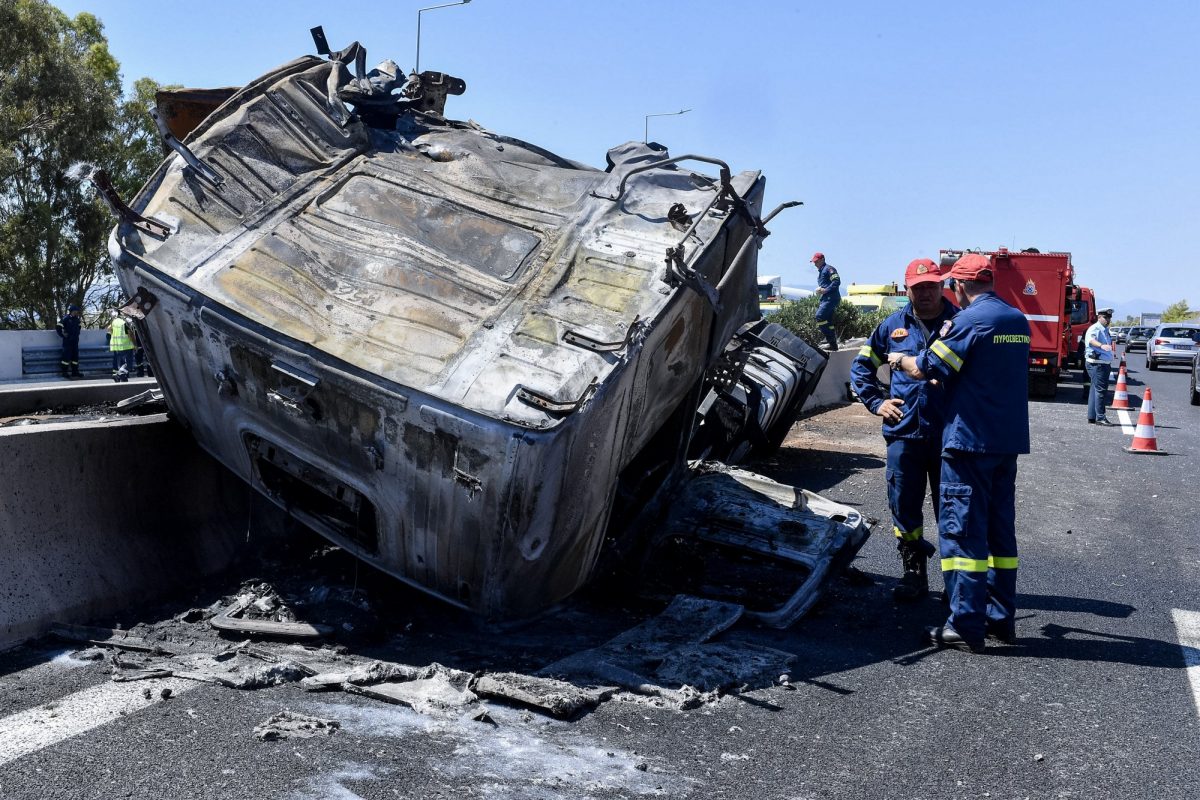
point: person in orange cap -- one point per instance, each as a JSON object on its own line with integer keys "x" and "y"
{"x": 913, "y": 415}
{"x": 982, "y": 358}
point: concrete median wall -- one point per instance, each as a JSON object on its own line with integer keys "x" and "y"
{"x": 831, "y": 389}
{"x": 99, "y": 517}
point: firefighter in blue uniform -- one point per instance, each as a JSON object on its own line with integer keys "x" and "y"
{"x": 68, "y": 330}
{"x": 829, "y": 290}
{"x": 912, "y": 412}
{"x": 982, "y": 358}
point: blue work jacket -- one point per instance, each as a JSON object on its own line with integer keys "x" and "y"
{"x": 982, "y": 358}
{"x": 924, "y": 403}
{"x": 828, "y": 279}
{"x": 69, "y": 326}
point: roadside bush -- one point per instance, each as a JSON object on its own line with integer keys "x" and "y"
{"x": 849, "y": 322}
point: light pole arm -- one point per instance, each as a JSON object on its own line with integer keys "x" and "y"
{"x": 646, "y": 131}
{"x": 417, "y": 69}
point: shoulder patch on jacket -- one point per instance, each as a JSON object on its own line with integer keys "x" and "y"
{"x": 946, "y": 326}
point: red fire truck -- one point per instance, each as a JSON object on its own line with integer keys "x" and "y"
{"x": 1042, "y": 286}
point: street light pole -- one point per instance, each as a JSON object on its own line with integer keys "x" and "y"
{"x": 646, "y": 131}
{"x": 419, "y": 12}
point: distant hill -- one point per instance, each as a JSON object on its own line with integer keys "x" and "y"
{"x": 1130, "y": 308}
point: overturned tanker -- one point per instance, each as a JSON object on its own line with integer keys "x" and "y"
{"x": 466, "y": 360}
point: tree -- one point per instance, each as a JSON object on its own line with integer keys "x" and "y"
{"x": 1176, "y": 312}
{"x": 849, "y": 321}
{"x": 60, "y": 104}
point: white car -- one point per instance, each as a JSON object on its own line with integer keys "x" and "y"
{"x": 1172, "y": 343}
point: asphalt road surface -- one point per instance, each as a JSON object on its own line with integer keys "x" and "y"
{"x": 1097, "y": 699}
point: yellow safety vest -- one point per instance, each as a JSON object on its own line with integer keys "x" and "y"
{"x": 120, "y": 339}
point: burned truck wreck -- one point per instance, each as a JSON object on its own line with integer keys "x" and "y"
{"x": 468, "y": 361}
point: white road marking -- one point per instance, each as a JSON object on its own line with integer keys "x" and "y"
{"x": 34, "y": 729}
{"x": 1187, "y": 625}
{"x": 1127, "y": 426}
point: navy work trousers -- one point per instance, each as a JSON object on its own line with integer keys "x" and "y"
{"x": 122, "y": 358}
{"x": 912, "y": 464}
{"x": 1099, "y": 373}
{"x": 824, "y": 317}
{"x": 70, "y": 352}
{"x": 978, "y": 533}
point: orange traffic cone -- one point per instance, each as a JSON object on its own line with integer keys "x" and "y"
{"x": 1121, "y": 393}
{"x": 1144, "y": 440}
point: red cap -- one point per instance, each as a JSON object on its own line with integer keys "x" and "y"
{"x": 972, "y": 267}
{"x": 922, "y": 270}
{"x": 817, "y": 255}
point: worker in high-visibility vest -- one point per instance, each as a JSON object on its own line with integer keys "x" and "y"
{"x": 121, "y": 344}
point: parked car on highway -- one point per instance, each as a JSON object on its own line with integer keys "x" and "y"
{"x": 1172, "y": 342}
{"x": 1136, "y": 338}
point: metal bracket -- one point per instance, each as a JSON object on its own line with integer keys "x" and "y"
{"x": 596, "y": 346}
{"x": 294, "y": 398}
{"x": 141, "y": 304}
{"x": 199, "y": 167}
{"x": 122, "y": 211}
{"x": 550, "y": 404}
{"x": 690, "y": 278}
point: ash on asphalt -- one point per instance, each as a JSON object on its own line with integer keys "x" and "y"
{"x": 300, "y": 577}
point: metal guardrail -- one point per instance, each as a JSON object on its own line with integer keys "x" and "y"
{"x": 47, "y": 360}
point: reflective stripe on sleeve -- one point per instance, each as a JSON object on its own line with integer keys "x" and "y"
{"x": 867, "y": 351}
{"x": 909, "y": 536}
{"x": 943, "y": 352}
{"x": 959, "y": 564}
{"x": 1002, "y": 562}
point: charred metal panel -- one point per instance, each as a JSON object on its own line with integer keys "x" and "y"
{"x": 439, "y": 346}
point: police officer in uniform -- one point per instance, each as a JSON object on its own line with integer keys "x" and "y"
{"x": 68, "y": 330}
{"x": 912, "y": 412}
{"x": 982, "y": 358}
{"x": 1098, "y": 356}
{"x": 829, "y": 290}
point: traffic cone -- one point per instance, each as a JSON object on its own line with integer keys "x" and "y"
{"x": 1144, "y": 440}
{"x": 1121, "y": 393}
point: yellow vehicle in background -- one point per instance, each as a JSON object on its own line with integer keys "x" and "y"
{"x": 876, "y": 296}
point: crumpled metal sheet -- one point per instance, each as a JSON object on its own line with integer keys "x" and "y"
{"x": 391, "y": 332}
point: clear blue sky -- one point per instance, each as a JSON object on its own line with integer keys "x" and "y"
{"x": 904, "y": 127}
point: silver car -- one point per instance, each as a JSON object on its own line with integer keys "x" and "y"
{"x": 1136, "y": 338}
{"x": 1172, "y": 343}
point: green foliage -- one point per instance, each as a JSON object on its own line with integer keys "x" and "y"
{"x": 1176, "y": 312}
{"x": 849, "y": 321}
{"x": 60, "y": 103}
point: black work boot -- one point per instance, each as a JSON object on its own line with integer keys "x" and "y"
{"x": 946, "y": 636}
{"x": 914, "y": 583}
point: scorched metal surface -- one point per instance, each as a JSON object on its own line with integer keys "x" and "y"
{"x": 438, "y": 346}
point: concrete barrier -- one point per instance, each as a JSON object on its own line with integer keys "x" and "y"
{"x": 25, "y": 397}
{"x": 99, "y": 517}
{"x": 831, "y": 389}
